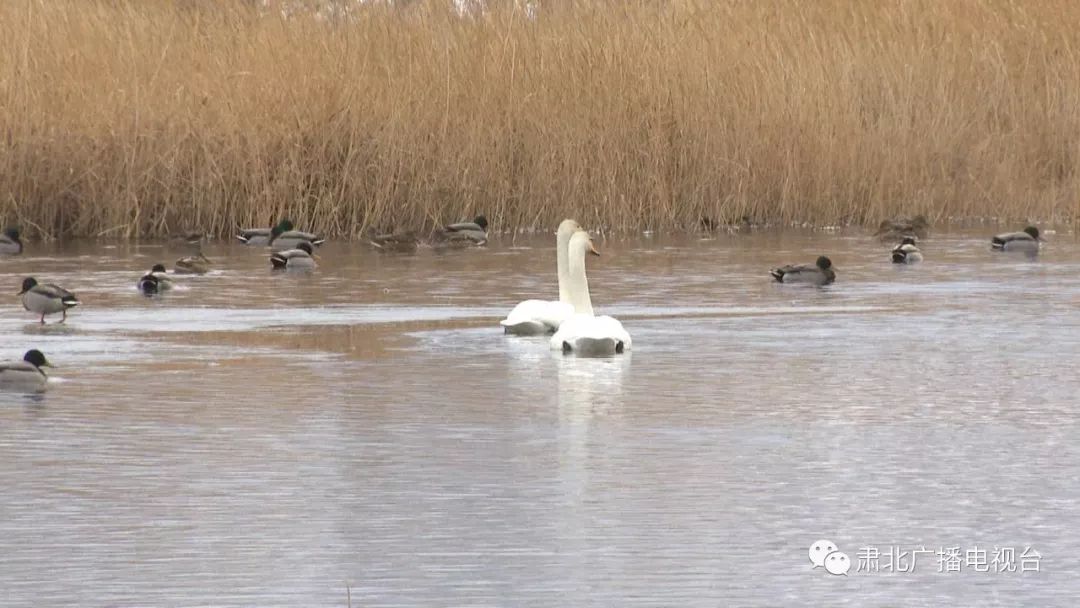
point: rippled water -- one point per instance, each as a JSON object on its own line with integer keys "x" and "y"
{"x": 279, "y": 440}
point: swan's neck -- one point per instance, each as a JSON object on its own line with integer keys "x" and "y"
{"x": 577, "y": 284}
{"x": 562, "y": 254}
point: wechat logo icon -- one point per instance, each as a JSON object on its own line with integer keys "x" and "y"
{"x": 824, "y": 554}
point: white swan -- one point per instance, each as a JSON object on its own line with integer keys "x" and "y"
{"x": 537, "y": 317}
{"x": 584, "y": 333}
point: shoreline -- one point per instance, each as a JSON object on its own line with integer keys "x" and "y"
{"x": 967, "y": 226}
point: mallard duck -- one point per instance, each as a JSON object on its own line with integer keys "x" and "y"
{"x": 300, "y": 258}
{"x": 711, "y": 224}
{"x": 256, "y": 237}
{"x": 283, "y": 237}
{"x": 1026, "y": 241}
{"x": 819, "y": 273}
{"x": 155, "y": 282}
{"x": 284, "y": 228}
{"x": 463, "y": 234}
{"x": 46, "y": 299}
{"x": 25, "y": 375}
{"x": 907, "y": 252}
{"x": 192, "y": 264}
{"x": 10, "y": 243}
{"x": 187, "y": 237}
{"x": 479, "y": 224}
{"x": 280, "y": 237}
{"x": 399, "y": 242}
{"x": 902, "y": 227}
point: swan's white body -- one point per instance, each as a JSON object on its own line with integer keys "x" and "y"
{"x": 538, "y": 317}
{"x": 592, "y": 336}
{"x": 585, "y": 333}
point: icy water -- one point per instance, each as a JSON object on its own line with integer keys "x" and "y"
{"x": 278, "y": 440}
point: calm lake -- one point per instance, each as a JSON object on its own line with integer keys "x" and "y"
{"x": 260, "y": 439}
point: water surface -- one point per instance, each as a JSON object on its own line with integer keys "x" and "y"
{"x": 253, "y": 439}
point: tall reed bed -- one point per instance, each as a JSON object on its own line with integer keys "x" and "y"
{"x": 141, "y": 117}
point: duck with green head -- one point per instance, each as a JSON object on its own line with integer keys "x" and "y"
{"x": 907, "y": 252}
{"x": 280, "y": 237}
{"x": 1026, "y": 241}
{"x": 10, "y": 243}
{"x": 25, "y": 375}
{"x": 155, "y": 282}
{"x": 819, "y": 273}
{"x": 46, "y": 299}
{"x": 301, "y": 258}
{"x": 284, "y": 237}
{"x": 187, "y": 237}
{"x": 255, "y": 237}
{"x": 463, "y": 234}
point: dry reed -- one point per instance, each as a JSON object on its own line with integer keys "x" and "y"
{"x": 141, "y": 117}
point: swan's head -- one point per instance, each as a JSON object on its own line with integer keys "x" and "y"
{"x": 582, "y": 242}
{"x": 824, "y": 263}
{"x": 1033, "y": 231}
{"x": 568, "y": 227}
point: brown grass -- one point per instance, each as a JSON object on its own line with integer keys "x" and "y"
{"x": 141, "y": 117}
